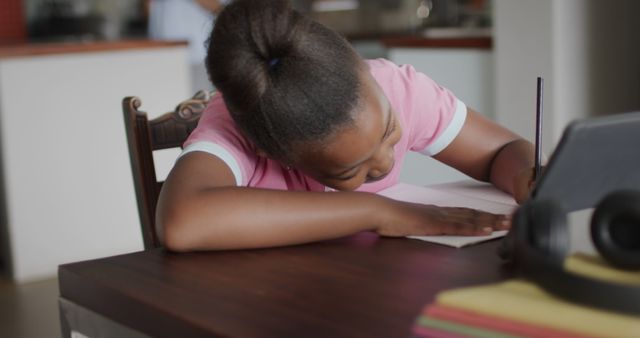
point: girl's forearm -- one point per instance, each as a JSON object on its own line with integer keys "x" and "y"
{"x": 238, "y": 217}
{"x": 514, "y": 158}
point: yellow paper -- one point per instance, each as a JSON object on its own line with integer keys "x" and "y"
{"x": 596, "y": 267}
{"x": 524, "y": 301}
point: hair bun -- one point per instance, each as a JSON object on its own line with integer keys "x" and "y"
{"x": 285, "y": 79}
{"x": 270, "y": 26}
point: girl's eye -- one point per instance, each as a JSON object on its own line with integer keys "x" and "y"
{"x": 392, "y": 129}
{"x": 346, "y": 178}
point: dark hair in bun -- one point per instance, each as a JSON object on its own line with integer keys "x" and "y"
{"x": 286, "y": 79}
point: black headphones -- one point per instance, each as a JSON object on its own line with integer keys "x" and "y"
{"x": 539, "y": 240}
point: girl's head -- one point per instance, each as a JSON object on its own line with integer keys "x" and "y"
{"x": 297, "y": 90}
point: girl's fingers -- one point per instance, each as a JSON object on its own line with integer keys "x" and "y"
{"x": 466, "y": 221}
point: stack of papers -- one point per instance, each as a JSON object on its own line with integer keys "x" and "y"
{"x": 519, "y": 308}
{"x": 467, "y": 194}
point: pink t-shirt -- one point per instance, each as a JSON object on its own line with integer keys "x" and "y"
{"x": 430, "y": 116}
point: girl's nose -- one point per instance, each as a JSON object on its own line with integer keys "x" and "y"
{"x": 382, "y": 165}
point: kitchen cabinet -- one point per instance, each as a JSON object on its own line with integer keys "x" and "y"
{"x": 68, "y": 190}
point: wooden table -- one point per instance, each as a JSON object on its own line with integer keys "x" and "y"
{"x": 360, "y": 286}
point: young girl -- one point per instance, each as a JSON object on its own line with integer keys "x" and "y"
{"x": 300, "y": 115}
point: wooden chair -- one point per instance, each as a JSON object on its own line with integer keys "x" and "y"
{"x": 145, "y": 136}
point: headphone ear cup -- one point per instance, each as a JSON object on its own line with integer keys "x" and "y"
{"x": 538, "y": 225}
{"x": 548, "y": 230}
{"x": 615, "y": 228}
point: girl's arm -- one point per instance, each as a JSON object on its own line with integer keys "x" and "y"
{"x": 200, "y": 208}
{"x": 489, "y": 152}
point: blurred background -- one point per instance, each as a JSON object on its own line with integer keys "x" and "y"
{"x": 66, "y": 191}
{"x": 65, "y": 20}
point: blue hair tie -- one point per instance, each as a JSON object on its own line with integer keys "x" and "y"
{"x": 273, "y": 62}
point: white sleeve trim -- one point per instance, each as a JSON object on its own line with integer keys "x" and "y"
{"x": 220, "y": 152}
{"x": 450, "y": 133}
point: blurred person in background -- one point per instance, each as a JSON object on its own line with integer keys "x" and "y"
{"x": 190, "y": 20}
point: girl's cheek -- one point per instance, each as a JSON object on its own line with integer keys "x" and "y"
{"x": 349, "y": 185}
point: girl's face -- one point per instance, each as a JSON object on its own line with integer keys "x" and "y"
{"x": 361, "y": 152}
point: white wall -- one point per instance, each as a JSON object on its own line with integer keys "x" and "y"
{"x": 68, "y": 184}
{"x": 571, "y": 67}
{"x": 523, "y": 50}
{"x": 468, "y": 72}
{"x": 587, "y": 51}
{"x": 597, "y": 48}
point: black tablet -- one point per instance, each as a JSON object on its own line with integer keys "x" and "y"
{"x": 594, "y": 157}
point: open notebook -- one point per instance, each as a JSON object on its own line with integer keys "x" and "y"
{"x": 468, "y": 194}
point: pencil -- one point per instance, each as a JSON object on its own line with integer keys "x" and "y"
{"x": 538, "y": 150}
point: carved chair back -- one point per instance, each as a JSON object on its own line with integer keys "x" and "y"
{"x": 144, "y": 136}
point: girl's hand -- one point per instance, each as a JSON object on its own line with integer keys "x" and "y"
{"x": 523, "y": 184}
{"x": 413, "y": 219}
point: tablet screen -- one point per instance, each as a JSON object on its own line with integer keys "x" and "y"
{"x": 594, "y": 157}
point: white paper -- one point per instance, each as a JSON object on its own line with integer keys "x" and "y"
{"x": 468, "y": 194}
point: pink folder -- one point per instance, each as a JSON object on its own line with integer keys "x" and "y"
{"x": 496, "y": 323}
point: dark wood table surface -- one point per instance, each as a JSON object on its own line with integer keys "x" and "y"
{"x": 359, "y": 286}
